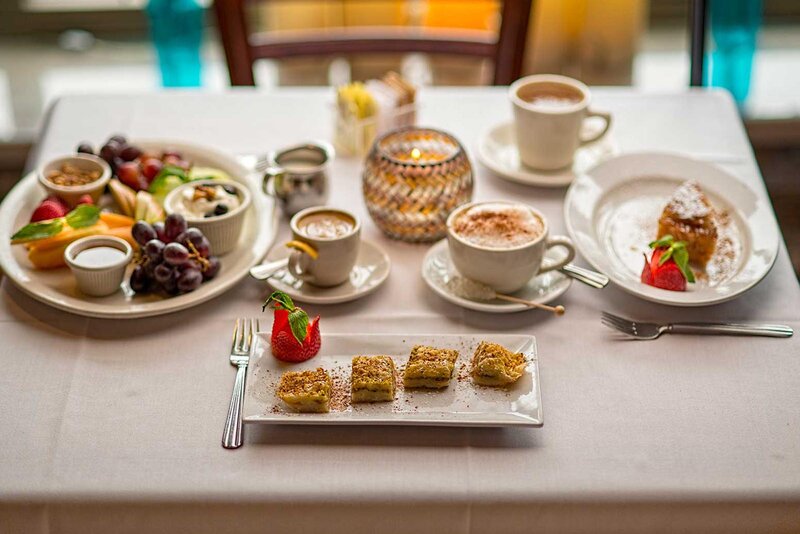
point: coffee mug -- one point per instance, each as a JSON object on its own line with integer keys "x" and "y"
{"x": 505, "y": 269}
{"x": 298, "y": 176}
{"x": 549, "y": 113}
{"x": 326, "y": 257}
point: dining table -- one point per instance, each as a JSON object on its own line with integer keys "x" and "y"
{"x": 115, "y": 425}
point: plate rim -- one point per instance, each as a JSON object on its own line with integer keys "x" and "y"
{"x": 634, "y": 289}
{"x": 519, "y": 420}
{"x": 478, "y": 306}
{"x": 263, "y": 208}
{"x": 352, "y": 296}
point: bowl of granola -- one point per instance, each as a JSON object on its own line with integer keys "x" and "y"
{"x": 71, "y": 178}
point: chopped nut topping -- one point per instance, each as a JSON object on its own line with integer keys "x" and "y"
{"x": 208, "y": 192}
{"x": 70, "y": 176}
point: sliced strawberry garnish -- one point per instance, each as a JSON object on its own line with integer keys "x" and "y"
{"x": 668, "y": 266}
{"x": 48, "y": 209}
{"x": 294, "y": 338}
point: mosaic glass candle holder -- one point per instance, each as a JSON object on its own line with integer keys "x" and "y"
{"x": 413, "y": 178}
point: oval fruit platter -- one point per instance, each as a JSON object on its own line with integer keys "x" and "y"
{"x": 54, "y": 284}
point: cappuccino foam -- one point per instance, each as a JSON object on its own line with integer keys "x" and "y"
{"x": 498, "y": 225}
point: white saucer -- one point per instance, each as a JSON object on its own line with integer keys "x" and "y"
{"x": 371, "y": 270}
{"x": 437, "y": 270}
{"x": 497, "y": 151}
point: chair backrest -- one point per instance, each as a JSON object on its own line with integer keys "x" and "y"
{"x": 242, "y": 48}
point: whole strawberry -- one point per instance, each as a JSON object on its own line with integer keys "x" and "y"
{"x": 668, "y": 266}
{"x": 294, "y": 338}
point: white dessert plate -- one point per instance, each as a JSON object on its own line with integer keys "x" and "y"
{"x": 371, "y": 270}
{"x": 612, "y": 213}
{"x": 438, "y": 270}
{"x": 497, "y": 151}
{"x": 57, "y": 287}
{"x": 462, "y": 403}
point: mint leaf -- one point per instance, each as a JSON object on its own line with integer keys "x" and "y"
{"x": 665, "y": 241}
{"x": 279, "y": 300}
{"x": 38, "y": 230}
{"x": 681, "y": 256}
{"x": 83, "y": 216}
{"x": 298, "y": 322}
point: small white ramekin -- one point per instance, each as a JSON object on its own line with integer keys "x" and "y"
{"x": 71, "y": 194}
{"x": 222, "y": 231}
{"x": 98, "y": 281}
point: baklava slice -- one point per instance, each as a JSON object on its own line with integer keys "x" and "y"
{"x": 372, "y": 379}
{"x": 306, "y": 391}
{"x": 429, "y": 367}
{"x": 690, "y": 217}
{"x": 495, "y": 365}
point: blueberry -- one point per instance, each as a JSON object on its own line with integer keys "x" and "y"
{"x": 221, "y": 209}
{"x": 229, "y": 189}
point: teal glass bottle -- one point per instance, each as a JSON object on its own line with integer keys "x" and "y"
{"x": 176, "y": 27}
{"x": 734, "y": 30}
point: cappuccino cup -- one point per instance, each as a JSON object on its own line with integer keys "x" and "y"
{"x": 549, "y": 114}
{"x": 502, "y": 244}
{"x": 325, "y": 243}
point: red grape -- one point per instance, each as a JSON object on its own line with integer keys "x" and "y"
{"x": 174, "y": 225}
{"x": 85, "y": 148}
{"x": 109, "y": 151}
{"x": 189, "y": 280}
{"x": 175, "y": 254}
{"x": 213, "y": 268}
{"x": 203, "y": 247}
{"x": 160, "y": 233}
{"x": 151, "y": 167}
{"x": 142, "y": 232}
{"x": 130, "y": 152}
{"x": 163, "y": 273}
{"x": 139, "y": 281}
{"x": 128, "y": 174}
{"x": 154, "y": 250}
{"x": 118, "y": 138}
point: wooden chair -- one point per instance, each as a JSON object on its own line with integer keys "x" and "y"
{"x": 242, "y": 48}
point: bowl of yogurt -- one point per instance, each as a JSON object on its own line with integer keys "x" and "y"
{"x": 98, "y": 263}
{"x": 215, "y": 208}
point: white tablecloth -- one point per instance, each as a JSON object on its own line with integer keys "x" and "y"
{"x": 114, "y": 426}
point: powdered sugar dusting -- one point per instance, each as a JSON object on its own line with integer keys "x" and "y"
{"x": 689, "y": 202}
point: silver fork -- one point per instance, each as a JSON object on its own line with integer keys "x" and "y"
{"x": 652, "y": 330}
{"x": 241, "y": 346}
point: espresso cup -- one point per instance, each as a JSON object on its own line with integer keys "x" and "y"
{"x": 505, "y": 269}
{"x": 549, "y": 113}
{"x": 326, "y": 255}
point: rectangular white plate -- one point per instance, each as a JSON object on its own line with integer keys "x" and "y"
{"x": 461, "y": 404}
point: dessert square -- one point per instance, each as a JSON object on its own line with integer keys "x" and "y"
{"x": 372, "y": 379}
{"x": 689, "y": 216}
{"x": 495, "y": 365}
{"x": 306, "y": 391}
{"x": 429, "y": 367}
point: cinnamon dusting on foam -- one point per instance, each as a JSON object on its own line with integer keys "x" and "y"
{"x": 497, "y": 225}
